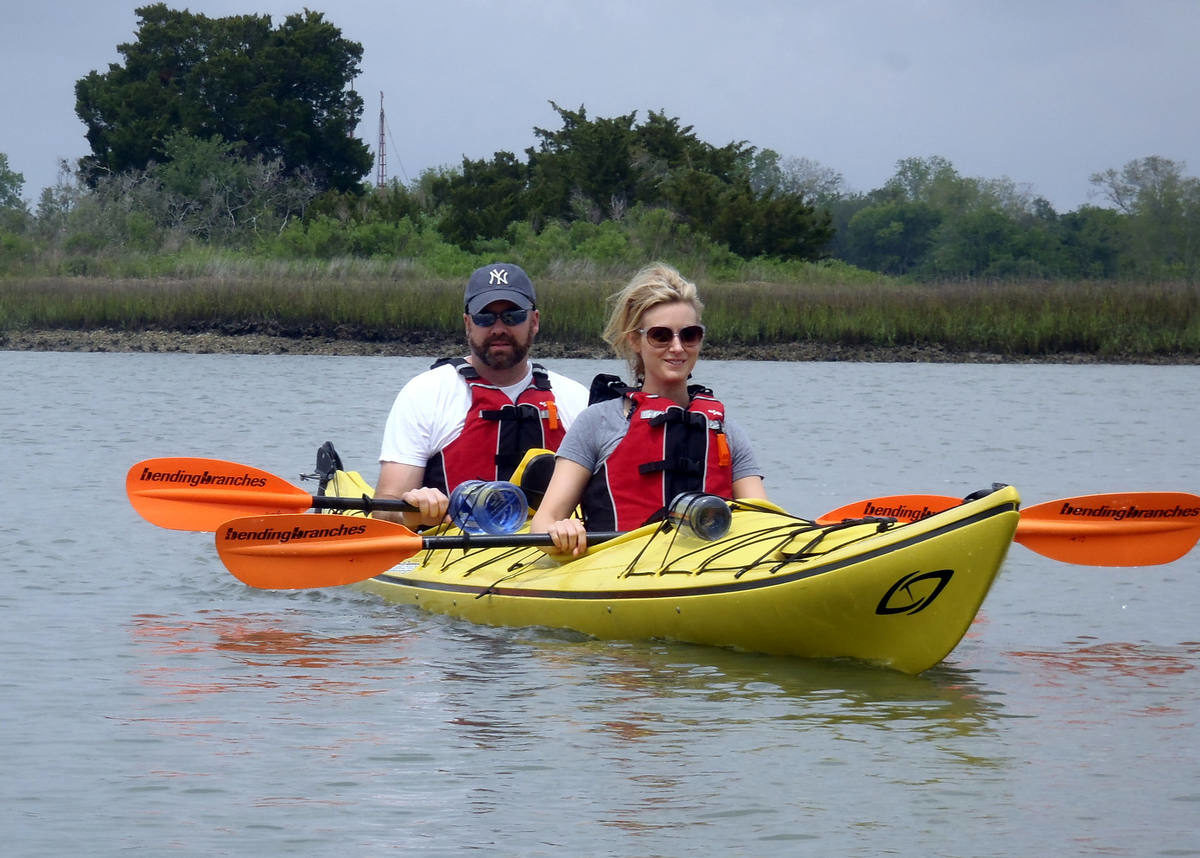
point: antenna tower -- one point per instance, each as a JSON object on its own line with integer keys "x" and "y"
{"x": 381, "y": 173}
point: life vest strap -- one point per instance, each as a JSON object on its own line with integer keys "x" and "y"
{"x": 678, "y": 415}
{"x": 518, "y": 413}
{"x": 681, "y": 465}
{"x": 508, "y": 461}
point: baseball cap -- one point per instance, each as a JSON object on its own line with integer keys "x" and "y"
{"x": 500, "y": 281}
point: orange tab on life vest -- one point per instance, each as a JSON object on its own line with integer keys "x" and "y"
{"x": 552, "y": 407}
{"x": 723, "y": 457}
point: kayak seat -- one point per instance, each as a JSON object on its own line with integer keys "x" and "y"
{"x": 328, "y": 463}
{"x": 532, "y": 475}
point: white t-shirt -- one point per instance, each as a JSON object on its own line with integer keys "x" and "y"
{"x": 431, "y": 410}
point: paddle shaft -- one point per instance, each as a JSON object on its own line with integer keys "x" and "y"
{"x": 508, "y": 540}
{"x": 368, "y": 504}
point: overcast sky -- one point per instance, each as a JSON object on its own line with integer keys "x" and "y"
{"x": 1044, "y": 92}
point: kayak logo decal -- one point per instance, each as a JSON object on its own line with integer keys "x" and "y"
{"x": 901, "y": 512}
{"x": 1123, "y": 512}
{"x": 205, "y": 479}
{"x": 914, "y": 593}
{"x": 270, "y": 534}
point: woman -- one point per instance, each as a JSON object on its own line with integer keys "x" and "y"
{"x": 628, "y": 455}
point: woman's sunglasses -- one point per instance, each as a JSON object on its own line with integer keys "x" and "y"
{"x": 512, "y": 318}
{"x": 661, "y": 336}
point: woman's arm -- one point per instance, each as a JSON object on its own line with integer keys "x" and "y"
{"x": 750, "y": 488}
{"x": 553, "y": 514}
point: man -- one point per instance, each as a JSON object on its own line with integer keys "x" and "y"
{"x": 475, "y": 418}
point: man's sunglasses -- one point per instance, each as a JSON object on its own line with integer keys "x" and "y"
{"x": 661, "y": 336}
{"x": 512, "y": 318}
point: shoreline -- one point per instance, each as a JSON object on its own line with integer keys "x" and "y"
{"x": 106, "y": 340}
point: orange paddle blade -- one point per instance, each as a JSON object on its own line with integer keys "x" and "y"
{"x": 906, "y": 508}
{"x": 292, "y": 552}
{"x": 199, "y": 494}
{"x": 1124, "y": 529}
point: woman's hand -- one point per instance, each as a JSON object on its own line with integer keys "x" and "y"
{"x": 569, "y": 536}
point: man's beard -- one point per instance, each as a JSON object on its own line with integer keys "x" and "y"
{"x": 503, "y": 360}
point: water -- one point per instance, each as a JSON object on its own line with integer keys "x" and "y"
{"x": 150, "y": 702}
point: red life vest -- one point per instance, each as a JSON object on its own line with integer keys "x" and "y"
{"x": 498, "y": 432}
{"x": 666, "y": 450}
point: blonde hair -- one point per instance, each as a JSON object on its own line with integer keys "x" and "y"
{"x": 657, "y": 283}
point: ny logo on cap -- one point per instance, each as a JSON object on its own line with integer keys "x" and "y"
{"x": 498, "y": 275}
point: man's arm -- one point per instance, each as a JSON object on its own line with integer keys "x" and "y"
{"x": 403, "y": 482}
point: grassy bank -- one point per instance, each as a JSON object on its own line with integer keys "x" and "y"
{"x": 399, "y": 305}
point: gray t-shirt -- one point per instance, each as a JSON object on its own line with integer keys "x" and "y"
{"x": 598, "y": 430}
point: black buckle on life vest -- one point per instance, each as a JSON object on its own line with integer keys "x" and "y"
{"x": 679, "y": 415}
{"x": 680, "y": 465}
{"x": 520, "y": 413}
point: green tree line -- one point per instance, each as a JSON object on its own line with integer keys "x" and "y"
{"x": 231, "y": 134}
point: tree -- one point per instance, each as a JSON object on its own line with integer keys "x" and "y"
{"x": 929, "y": 221}
{"x": 597, "y": 169}
{"x": 785, "y": 225}
{"x": 1091, "y": 238}
{"x": 11, "y": 184}
{"x": 14, "y": 216}
{"x": 202, "y": 190}
{"x": 804, "y": 176}
{"x": 207, "y": 191}
{"x": 482, "y": 200}
{"x": 766, "y": 172}
{"x": 1162, "y": 206}
{"x": 932, "y": 181}
{"x": 981, "y": 243}
{"x": 584, "y": 169}
{"x": 276, "y": 93}
{"x": 767, "y": 224}
{"x": 893, "y": 238}
{"x": 1142, "y": 183}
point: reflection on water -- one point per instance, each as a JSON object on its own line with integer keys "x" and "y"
{"x": 259, "y": 652}
{"x": 491, "y": 688}
{"x": 1139, "y": 681}
{"x": 1114, "y": 662}
{"x": 1149, "y": 681}
{"x": 661, "y": 695}
{"x": 746, "y": 688}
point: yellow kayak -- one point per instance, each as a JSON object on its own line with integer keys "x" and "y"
{"x": 889, "y": 593}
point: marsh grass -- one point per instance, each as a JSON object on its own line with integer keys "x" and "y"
{"x": 375, "y": 300}
{"x": 1017, "y": 319}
